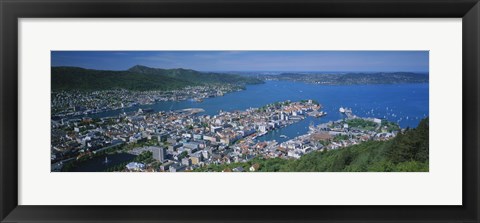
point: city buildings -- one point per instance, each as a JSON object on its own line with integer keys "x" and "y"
{"x": 186, "y": 140}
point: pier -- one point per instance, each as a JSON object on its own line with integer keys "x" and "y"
{"x": 190, "y": 111}
{"x": 347, "y": 112}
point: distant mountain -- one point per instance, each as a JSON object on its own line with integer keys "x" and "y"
{"x": 353, "y": 78}
{"x": 138, "y": 78}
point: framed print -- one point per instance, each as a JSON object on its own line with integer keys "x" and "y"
{"x": 239, "y": 111}
{"x": 212, "y": 126}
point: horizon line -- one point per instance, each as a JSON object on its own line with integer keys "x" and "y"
{"x": 337, "y": 71}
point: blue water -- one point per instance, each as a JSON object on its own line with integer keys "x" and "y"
{"x": 393, "y": 102}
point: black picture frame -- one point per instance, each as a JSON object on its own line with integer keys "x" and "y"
{"x": 12, "y": 10}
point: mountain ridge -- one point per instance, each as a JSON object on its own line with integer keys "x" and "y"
{"x": 138, "y": 77}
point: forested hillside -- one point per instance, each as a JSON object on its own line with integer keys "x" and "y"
{"x": 138, "y": 78}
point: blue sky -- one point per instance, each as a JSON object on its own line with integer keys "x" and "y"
{"x": 362, "y": 61}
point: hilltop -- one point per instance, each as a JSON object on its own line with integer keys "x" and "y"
{"x": 139, "y": 78}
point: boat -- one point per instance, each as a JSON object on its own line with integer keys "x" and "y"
{"x": 341, "y": 109}
{"x": 283, "y": 136}
{"x": 320, "y": 114}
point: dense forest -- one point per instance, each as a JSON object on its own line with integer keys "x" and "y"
{"x": 139, "y": 78}
{"x": 407, "y": 152}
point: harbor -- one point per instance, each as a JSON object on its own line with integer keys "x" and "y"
{"x": 222, "y": 116}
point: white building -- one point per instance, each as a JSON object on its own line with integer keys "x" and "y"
{"x": 135, "y": 166}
